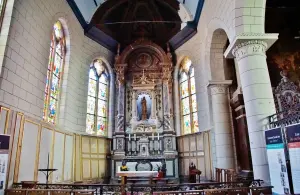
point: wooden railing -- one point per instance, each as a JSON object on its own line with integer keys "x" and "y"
{"x": 225, "y": 175}
{"x": 109, "y": 189}
{"x": 226, "y": 191}
{"x": 48, "y": 192}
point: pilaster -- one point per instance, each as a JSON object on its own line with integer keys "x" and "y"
{"x": 222, "y": 123}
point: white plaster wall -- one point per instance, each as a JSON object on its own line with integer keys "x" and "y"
{"x": 24, "y": 68}
{"x": 68, "y": 158}
{"x": 28, "y": 152}
{"x": 58, "y": 157}
{"x": 45, "y": 149}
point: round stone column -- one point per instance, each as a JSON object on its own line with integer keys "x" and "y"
{"x": 258, "y": 97}
{"x": 222, "y": 124}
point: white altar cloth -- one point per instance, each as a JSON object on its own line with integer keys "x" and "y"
{"x": 137, "y": 173}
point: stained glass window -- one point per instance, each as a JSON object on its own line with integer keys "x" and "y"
{"x": 54, "y": 73}
{"x": 97, "y": 103}
{"x": 187, "y": 87}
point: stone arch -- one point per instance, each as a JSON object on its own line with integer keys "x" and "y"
{"x": 216, "y": 60}
{"x": 63, "y": 91}
{"x": 216, "y": 32}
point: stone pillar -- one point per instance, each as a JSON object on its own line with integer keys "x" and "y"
{"x": 153, "y": 107}
{"x": 121, "y": 109}
{"x": 134, "y": 106}
{"x": 222, "y": 124}
{"x": 166, "y": 108}
{"x": 119, "y": 134}
{"x": 167, "y": 82}
{"x": 258, "y": 97}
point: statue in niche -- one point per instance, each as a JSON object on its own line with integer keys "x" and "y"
{"x": 144, "y": 108}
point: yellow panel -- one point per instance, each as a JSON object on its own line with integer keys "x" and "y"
{"x": 85, "y": 145}
{"x": 192, "y": 143}
{"x": 86, "y": 169}
{"x": 94, "y": 155}
{"x": 86, "y": 156}
{"x": 93, "y": 145}
{"x": 186, "y": 144}
{"x": 102, "y": 168}
{"x": 101, "y": 146}
{"x": 200, "y": 141}
{"x": 95, "y": 168}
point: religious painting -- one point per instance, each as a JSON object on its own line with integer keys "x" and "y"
{"x": 144, "y": 104}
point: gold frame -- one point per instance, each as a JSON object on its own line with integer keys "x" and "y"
{"x": 41, "y": 126}
{"x": 6, "y": 118}
{"x": 2, "y": 12}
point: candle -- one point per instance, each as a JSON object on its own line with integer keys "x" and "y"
{"x": 152, "y": 136}
{"x": 157, "y": 136}
{"x": 134, "y": 137}
{"x": 129, "y": 136}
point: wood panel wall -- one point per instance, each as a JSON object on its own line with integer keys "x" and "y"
{"x": 195, "y": 148}
{"x": 76, "y": 157}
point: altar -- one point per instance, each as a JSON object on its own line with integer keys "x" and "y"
{"x": 144, "y": 133}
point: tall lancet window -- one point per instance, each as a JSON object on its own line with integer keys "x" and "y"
{"x": 97, "y": 102}
{"x": 54, "y": 73}
{"x": 188, "y": 100}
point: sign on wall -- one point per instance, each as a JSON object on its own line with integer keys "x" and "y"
{"x": 293, "y": 139}
{"x": 277, "y": 161}
{"x": 4, "y": 148}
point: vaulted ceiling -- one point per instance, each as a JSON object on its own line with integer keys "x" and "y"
{"x": 113, "y": 22}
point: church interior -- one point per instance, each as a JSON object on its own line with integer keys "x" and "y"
{"x": 149, "y": 97}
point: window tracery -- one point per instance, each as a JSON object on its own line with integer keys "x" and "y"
{"x": 54, "y": 73}
{"x": 188, "y": 98}
{"x": 97, "y": 103}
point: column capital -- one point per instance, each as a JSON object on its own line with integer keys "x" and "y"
{"x": 219, "y": 87}
{"x": 250, "y": 43}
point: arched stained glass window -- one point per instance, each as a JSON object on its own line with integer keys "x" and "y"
{"x": 188, "y": 100}
{"x": 97, "y": 102}
{"x": 54, "y": 73}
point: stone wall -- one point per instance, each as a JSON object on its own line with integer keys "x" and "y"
{"x": 26, "y": 58}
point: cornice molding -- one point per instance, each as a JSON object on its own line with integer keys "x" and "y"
{"x": 266, "y": 40}
{"x": 219, "y": 87}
